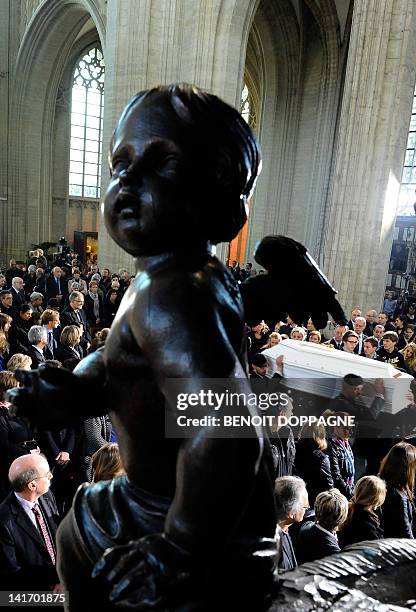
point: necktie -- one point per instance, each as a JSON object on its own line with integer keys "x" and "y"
{"x": 44, "y": 531}
{"x": 79, "y": 316}
{"x": 50, "y": 341}
{"x": 58, "y": 282}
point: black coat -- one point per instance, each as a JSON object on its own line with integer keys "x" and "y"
{"x": 51, "y": 288}
{"x": 65, "y": 352}
{"x": 363, "y": 526}
{"x": 283, "y": 451}
{"x": 313, "y": 543}
{"x": 286, "y": 555}
{"x": 313, "y": 466}
{"x": 24, "y": 560}
{"x": 398, "y": 515}
{"x": 19, "y": 342}
{"x": 110, "y": 311}
{"x": 13, "y": 432}
{"x": 340, "y": 468}
{"x": 37, "y": 357}
{"x": 68, "y": 317}
{"x": 89, "y": 310}
{"x": 53, "y": 442}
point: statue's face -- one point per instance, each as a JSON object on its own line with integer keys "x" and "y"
{"x": 144, "y": 207}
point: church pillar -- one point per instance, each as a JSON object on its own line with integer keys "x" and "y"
{"x": 374, "y": 121}
{"x": 155, "y": 42}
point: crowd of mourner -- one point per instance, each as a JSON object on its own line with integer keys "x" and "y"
{"x": 334, "y": 486}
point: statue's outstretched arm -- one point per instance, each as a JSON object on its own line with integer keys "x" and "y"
{"x": 53, "y": 398}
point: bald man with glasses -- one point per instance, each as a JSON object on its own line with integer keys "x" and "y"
{"x": 28, "y": 523}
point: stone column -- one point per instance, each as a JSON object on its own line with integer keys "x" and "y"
{"x": 374, "y": 121}
{"x": 155, "y": 42}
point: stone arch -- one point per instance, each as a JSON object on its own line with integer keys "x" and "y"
{"x": 65, "y": 214}
{"x": 41, "y": 62}
{"x": 301, "y": 87}
{"x": 274, "y": 55}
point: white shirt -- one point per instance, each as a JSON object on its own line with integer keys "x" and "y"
{"x": 28, "y": 508}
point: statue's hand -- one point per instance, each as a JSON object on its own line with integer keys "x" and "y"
{"x": 147, "y": 574}
{"x": 46, "y": 397}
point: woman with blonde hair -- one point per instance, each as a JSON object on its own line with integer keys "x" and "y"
{"x": 273, "y": 339}
{"x": 398, "y": 470}
{"x": 4, "y": 349}
{"x": 106, "y": 462}
{"x": 363, "y": 521}
{"x": 19, "y": 361}
{"x": 5, "y": 322}
{"x": 70, "y": 344}
{"x": 298, "y": 333}
{"x": 315, "y": 337}
{"x": 312, "y": 462}
{"x": 409, "y": 354}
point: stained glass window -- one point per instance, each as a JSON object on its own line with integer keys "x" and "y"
{"x": 87, "y": 105}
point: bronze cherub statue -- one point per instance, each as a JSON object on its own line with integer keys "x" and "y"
{"x": 194, "y": 518}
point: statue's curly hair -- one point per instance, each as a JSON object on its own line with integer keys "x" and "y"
{"x": 229, "y": 159}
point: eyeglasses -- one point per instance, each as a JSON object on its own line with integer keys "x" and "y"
{"x": 352, "y": 341}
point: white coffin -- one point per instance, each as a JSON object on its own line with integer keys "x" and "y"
{"x": 319, "y": 370}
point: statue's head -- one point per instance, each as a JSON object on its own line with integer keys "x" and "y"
{"x": 183, "y": 164}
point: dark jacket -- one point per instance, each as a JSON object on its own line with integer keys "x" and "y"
{"x": 89, "y": 310}
{"x": 286, "y": 555}
{"x": 19, "y": 342}
{"x": 314, "y": 543}
{"x": 363, "y": 525}
{"x": 52, "y": 288}
{"x": 395, "y": 358}
{"x": 398, "y": 514}
{"x": 68, "y": 317}
{"x": 313, "y": 466}
{"x": 14, "y": 431}
{"x": 365, "y": 416}
{"x": 24, "y": 560}
{"x": 36, "y": 356}
{"x": 110, "y": 311}
{"x": 341, "y": 469}
{"x": 65, "y": 352}
{"x": 53, "y": 442}
{"x": 283, "y": 451}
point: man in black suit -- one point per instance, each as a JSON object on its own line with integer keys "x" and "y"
{"x": 18, "y": 293}
{"x": 38, "y": 339}
{"x": 355, "y": 312}
{"x": 12, "y": 271}
{"x": 74, "y": 315}
{"x": 336, "y": 341}
{"x": 371, "y": 320}
{"x": 291, "y": 504}
{"x": 383, "y": 319}
{"x": 55, "y": 286}
{"x": 6, "y": 302}
{"x": 28, "y": 522}
{"x": 50, "y": 321}
{"x": 359, "y": 327}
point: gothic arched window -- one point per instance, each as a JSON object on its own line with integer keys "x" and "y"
{"x": 87, "y": 104}
{"x": 408, "y": 182}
